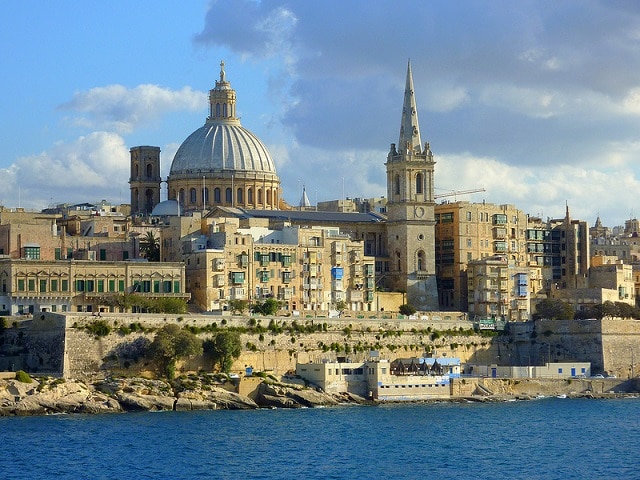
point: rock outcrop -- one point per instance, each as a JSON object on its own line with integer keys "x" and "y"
{"x": 49, "y": 396}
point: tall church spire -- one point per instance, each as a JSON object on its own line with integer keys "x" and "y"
{"x": 409, "y": 128}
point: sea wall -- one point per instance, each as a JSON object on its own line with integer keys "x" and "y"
{"x": 66, "y": 346}
{"x": 61, "y": 344}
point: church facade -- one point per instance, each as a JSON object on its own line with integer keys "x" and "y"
{"x": 225, "y": 170}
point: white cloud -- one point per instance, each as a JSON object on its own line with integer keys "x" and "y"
{"x": 120, "y": 109}
{"x": 91, "y": 168}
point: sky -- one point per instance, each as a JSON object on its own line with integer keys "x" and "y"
{"x": 536, "y": 102}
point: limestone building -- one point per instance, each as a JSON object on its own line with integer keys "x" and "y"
{"x": 474, "y": 231}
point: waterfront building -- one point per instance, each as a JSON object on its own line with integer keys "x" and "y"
{"x": 402, "y": 380}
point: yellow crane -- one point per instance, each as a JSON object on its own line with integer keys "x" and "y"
{"x": 454, "y": 193}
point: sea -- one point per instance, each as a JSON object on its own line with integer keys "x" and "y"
{"x": 549, "y": 438}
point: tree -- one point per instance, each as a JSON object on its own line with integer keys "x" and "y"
{"x": 223, "y": 349}
{"x": 407, "y": 309}
{"x": 269, "y": 307}
{"x": 171, "y": 344}
{"x": 554, "y": 309}
{"x": 238, "y": 306}
{"x": 341, "y": 306}
{"x": 150, "y": 247}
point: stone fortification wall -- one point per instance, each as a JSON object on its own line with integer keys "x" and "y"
{"x": 612, "y": 345}
{"x": 87, "y": 355}
{"x": 532, "y": 387}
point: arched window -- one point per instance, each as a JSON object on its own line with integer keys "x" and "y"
{"x": 268, "y": 197}
{"x": 419, "y": 182}
{"x": 259, "y": 196}
{"x": 181, "y": 198}
{"x": 399, "y": 262}
{"x": 205, "y": 195}
{"x": 135, "y": 170}
{"x": 149, "y": 170}
{"x": 192, "y": 195}
{"x": 228, "y": 194}
{"x": 224, "y": 110}
{"x": 239, "y": 196}
{"x": 148, "y": 200}
{"x": 249, "y": 196}
{"x": 217, "y": 109}
{"x": 396, "y": 185}
{"x": 216, "y": 195}
{"x": 420, "y": 260}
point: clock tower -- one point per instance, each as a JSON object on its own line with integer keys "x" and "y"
{"x": 410, "y": 210}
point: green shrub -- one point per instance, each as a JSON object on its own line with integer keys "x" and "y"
{"x": 99, "y": 328}
{"x": 23, "y": 377}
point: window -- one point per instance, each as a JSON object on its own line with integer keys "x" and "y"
{"x": 249, "y": 196}
{"x": 264, "y": 276}
{"x": 101, "y": 286}
{"x": 121, "y": 285}
{"x": 156, "y": 286}
{"x": 499, "y": 219}
{"x": 54, "y": 285}
{"x": 419, "y": 182}
{"x": 228, "y": 195}
{"x": 65, "y": 285}
{"x": 166, "y": 286}
{"x": 176, "y": 286}
{"x": 103, "y": 254}
{"x": 216, "y": 195}
{"x": 43, "y": 285}
{"x": 192, "y": 195}
{"x": 21, "y": 285}
{"x": 396, "y": 185}
{"x": 468, "y": 216}
{"x": 420, "y": 260}
{"x": 237, "y": 277}
{"x": 205, "y": 195}
{"x": 446, "y": 218}
{"x": 79, "y": 285}
{"x": 112, "y": 285}
{"x": 58, "y": 254}
{"x": 32, "y": 252}
{"x": 239, "y": 195}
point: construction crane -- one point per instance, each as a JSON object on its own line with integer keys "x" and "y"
{"x": 453, "y": 193}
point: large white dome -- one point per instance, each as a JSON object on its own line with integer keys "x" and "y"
{"x": 219, "y": 146}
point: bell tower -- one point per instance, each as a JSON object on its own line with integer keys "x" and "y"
{"x": 410, "y": 210}
{"x": 145, "y": 180}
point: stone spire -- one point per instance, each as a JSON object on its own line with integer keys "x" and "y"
{"x": 304, "y": 200}
{"x": 409, "y": 128}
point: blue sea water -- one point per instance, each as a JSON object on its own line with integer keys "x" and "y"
{"x": 542, "y": 439}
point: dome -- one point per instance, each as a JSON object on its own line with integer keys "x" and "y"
{"x": 219, "y": 146}
{"x": 168, "y": 208}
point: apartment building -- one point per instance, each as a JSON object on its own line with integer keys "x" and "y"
{"x": 473, "y": 231}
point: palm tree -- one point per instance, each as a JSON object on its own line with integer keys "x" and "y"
{"x": 150, "y": 247}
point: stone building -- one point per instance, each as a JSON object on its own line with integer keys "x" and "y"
{"x": 473, "y": 231}
{"x": 29, "y": 285}
{"x": 305, "y": 268}
{"x": 499, "y": 289}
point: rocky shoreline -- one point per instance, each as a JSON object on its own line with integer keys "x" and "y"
{"x": 45, "y": 396}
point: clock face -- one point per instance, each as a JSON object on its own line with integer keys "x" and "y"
{"x": 419, "y": 212}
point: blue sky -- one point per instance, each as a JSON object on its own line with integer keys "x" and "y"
{"x": 538, "y": 102}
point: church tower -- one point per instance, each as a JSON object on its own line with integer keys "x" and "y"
{"x": 145, "y": 179}
{"x": 410, "y": 210}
